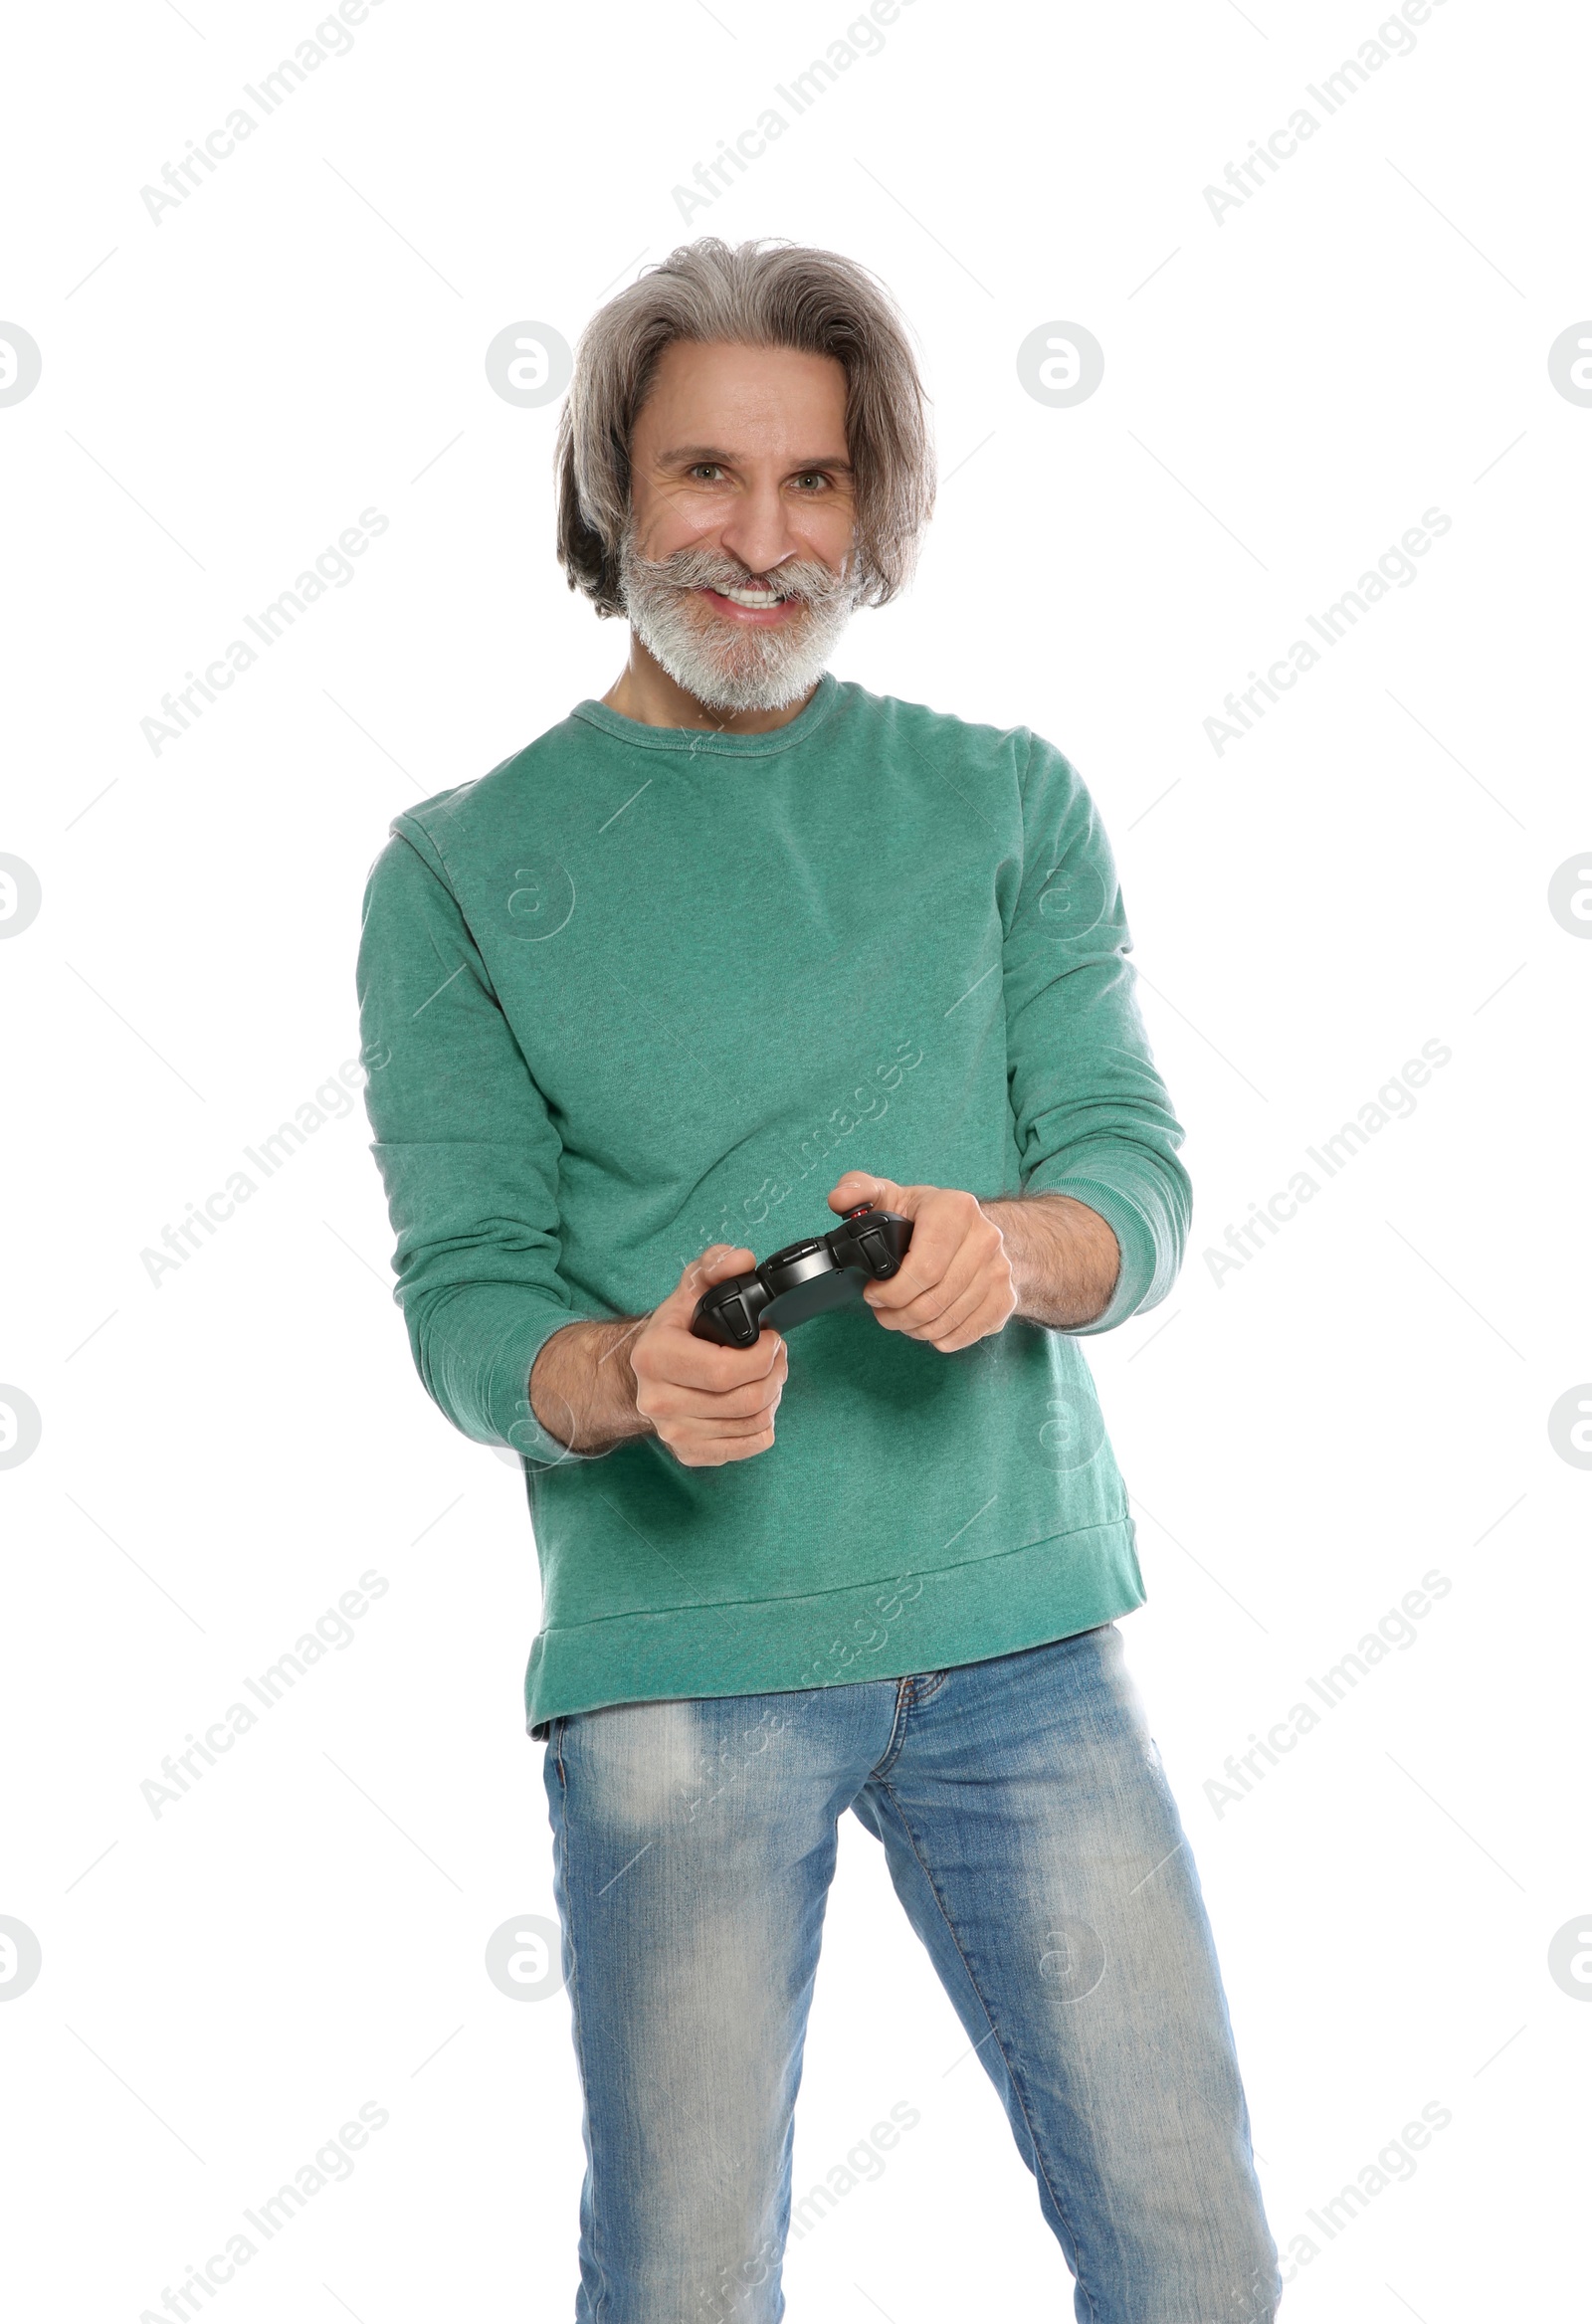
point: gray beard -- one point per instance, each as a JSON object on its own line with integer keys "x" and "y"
{"x": 725, "y": 669}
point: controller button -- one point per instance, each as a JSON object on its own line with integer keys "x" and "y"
{"x": 860, "y": 1211}
{"x": 793, "y": 1251}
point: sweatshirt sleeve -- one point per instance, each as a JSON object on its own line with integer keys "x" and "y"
{"x": 1093, "y": 1116}
{"x": 466, "y": 1152}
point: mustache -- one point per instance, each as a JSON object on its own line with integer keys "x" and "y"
{"x": 811, "y": 581}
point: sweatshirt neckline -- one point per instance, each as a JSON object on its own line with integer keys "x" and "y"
{"x": 698, "y": 740}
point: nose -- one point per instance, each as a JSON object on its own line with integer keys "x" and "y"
{"x": 758, "y": 531}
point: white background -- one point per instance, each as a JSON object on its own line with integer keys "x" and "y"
{"x": 1286, "y": 392}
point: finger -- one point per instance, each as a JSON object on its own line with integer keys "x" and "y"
{"x": 722, "y": 1451}
{"x": 715, "y": 1266}
{"x": 865, "y": 1186}
{"x": 909, "y": 1281}
{"x": 927, "y": 1262}
{"x": 931, "y": 1318}
{"x": 684, "y": 1360}
{"x": 909, "y": 1315}
{"x": 718, "y": 1262}
{"x": 676, "y": 1399}
{"x": 992, "y": 1317}
{"x": 678, "y": 1361}
{"x": 910, "y": 1307}
{"x": 951, "y": 1239}
{"x": 743, "y": 1424}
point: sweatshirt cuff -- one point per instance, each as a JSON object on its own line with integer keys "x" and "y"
{"x": 1139, "y": 1266}
{"x": 482, "y": 1379}
{"x": 524, "y": 1433}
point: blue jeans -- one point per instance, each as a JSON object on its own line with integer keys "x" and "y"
{"x": 1032, "y": 1839}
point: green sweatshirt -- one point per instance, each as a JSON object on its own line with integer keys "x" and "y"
{"x": 641, "y": 989}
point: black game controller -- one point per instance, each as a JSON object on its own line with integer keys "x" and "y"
{"x": 805, "y": 1277}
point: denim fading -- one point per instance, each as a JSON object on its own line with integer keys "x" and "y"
{"x": 1035, "y": 1844}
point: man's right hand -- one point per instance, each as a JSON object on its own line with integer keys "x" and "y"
{"x": 597, "y": 1384}
{"x": 709, "y": 1403}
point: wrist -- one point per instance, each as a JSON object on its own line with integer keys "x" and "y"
{"x": 617, "y": 1354}
{"x": 1012, "y": 1215}
{"x": 582, "y": 1386}
{"x": 1065, "y": 1257}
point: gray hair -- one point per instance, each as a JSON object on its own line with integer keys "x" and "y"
{"x": 784, "y": 296}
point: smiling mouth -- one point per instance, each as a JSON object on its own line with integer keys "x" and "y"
{"x": 755, "y": 600}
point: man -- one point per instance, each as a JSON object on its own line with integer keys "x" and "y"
{"x": 734, "y": 942}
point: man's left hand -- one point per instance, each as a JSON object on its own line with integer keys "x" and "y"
{"x": 955, "y": 1284}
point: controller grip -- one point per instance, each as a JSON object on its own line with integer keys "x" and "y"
{"x": 875, "y": 1241}
{"x": 730, "y": 1312}
{"x": 805, "y": 1280}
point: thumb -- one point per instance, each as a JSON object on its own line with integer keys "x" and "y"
{"x": 866, "y": 1185}
{"x": 716, "y": 1261}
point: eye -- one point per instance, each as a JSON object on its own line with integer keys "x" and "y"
{"x": 813, "y": 476}
{"x": 703, "y": 468}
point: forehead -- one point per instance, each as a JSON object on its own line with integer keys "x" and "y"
{"x": 744, "y": 400}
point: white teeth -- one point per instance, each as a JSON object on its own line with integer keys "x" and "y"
{"x": 751, "y": 597}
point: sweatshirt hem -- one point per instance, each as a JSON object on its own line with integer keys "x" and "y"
{"x": 885, "y": 1627}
